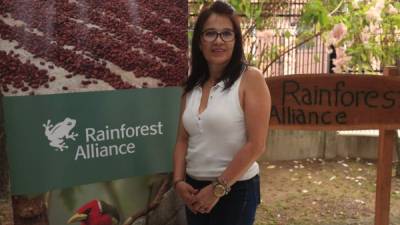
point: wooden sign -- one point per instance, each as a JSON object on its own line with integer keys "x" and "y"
{"x": 334, "y": 102}
{"x": 344, "y": 102}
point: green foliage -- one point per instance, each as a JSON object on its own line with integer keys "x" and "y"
{"x": 315, "y": 13}
{"x": 305, "y": 35}
{"x": 251, "y": 11}
{"x": 287, "y": 34}
{"x": 394, "y": 20}
{"x": 383, "y": 43}
{"x": 247, "y": 8}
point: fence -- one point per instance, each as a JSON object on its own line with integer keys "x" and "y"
{"x": 308, "y": 58}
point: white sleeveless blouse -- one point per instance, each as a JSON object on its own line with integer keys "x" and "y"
{"x": 215, "y": 135}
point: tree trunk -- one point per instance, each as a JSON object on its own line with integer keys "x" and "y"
{"x": 30, "y": 211}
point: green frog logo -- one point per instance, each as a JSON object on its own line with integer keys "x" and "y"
{"x": 57, "y": 134}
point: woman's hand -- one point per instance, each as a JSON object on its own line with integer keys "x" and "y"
{"x": 205, "y": 200}
{"x": 187, "y": 193}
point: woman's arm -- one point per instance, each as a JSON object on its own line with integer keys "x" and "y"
{"x": 180, "y": 147}
{"x": 257, "y": 108}
{"x": 184, "y": 190}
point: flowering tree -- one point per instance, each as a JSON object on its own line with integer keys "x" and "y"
{"x": 364, "y": 33}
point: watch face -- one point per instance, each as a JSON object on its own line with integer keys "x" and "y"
{"x": 219, "y": 190}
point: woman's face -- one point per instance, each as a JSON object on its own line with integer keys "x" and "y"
{"x": 217, "y": 40}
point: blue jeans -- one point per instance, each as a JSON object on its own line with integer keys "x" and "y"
{"x": 236, "y": 208}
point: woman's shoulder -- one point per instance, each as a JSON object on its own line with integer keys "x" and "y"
{"x": 252, "y": 76}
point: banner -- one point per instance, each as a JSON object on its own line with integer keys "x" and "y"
{"x": 77, "y": 142}
{"x": 74, "y": 139}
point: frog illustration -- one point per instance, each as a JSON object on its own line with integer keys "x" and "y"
{"x": 59, "y": 132}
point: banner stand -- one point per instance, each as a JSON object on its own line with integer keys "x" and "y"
{"x": 13, "y": 208}
{"x": 6, "y": 209}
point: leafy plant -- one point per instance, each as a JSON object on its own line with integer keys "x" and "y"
{"x": 366, "y": 32}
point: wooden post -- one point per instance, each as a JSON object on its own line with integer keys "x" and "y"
{"x": 384, "y": 176}
{"x": 387, "y": 140}
{"x": 398, "y": 141}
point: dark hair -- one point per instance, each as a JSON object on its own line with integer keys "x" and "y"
{"x": 199, "y": 72}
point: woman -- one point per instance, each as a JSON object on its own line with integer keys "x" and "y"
{"x": 223, "y": 125}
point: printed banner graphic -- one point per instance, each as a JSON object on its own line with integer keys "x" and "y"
{"x": 58, "y": 141}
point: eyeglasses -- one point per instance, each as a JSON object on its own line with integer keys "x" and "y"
{"x": 212, "y": 35}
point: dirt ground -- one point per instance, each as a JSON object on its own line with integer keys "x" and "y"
{"x": 315, "y": 191}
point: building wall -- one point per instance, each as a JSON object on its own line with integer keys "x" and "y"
{"x": 294, "y": 145}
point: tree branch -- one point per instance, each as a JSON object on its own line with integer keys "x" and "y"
{"x": 290, "y": 49}
{"x": 337, "y": 8}
{"x": 153, "y": 205}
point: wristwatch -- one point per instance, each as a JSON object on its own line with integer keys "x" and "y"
{"x": 220, "y": 188}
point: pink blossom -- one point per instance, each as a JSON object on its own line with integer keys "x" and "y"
{"x": 375, "y": 29}
{"x": 392, "y": 10}
{"x": 380, "y": 4}
{"x": 364, "y": 37}
{"x": 375, "y": 63}
{"x": 373, "y": 14}
{"x": 337, "y": 34}
{"x": 339, "y": 31}
{"x": 341, "y": 60}
{"x": 340, "y": 52}
{"x": 355, "y": 5}
{"x": 330, "y": 41}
